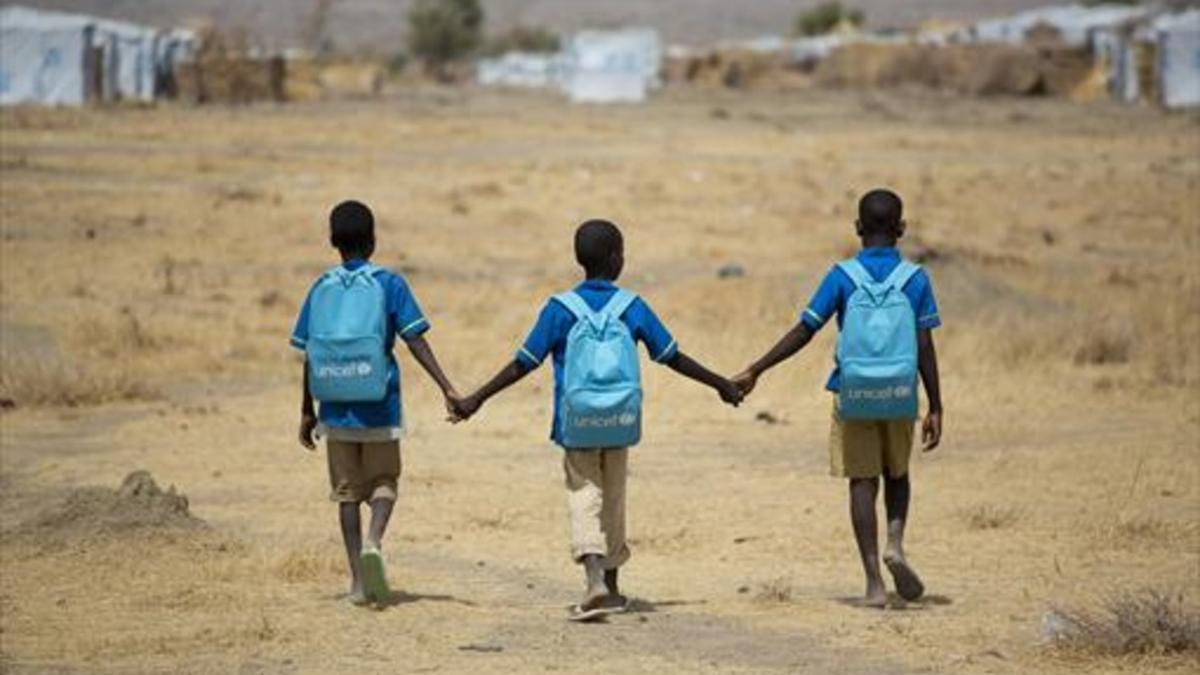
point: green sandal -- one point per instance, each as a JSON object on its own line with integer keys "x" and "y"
{"x": 374, "y": 579}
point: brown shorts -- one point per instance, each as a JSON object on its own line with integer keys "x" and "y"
{"x": 862, "y": 449}
{"x": 361, "y": 472}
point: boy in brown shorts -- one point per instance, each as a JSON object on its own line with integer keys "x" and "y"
{"x": 362, "y": 429}
{"x": 862, "y": 450}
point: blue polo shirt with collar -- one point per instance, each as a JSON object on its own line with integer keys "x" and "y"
{"x": 549, "y": 334}
{"x": 404, "y": 318}
{"x": 831, "y": 296}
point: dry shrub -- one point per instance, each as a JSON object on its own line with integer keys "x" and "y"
{"x": 773, "y": 591}
{"x": 1144, "y": 531}
{"x": 1103, "y": 347}
{"x": 309, "y": 564}
{"x": 47, "y": 381}
{"x": 1150, "y": 621}
{"x": 990, "y": 516}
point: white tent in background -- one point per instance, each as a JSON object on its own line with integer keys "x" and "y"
{"x": 44, "y": 57}
{"x": 612, "y": 66}
{"x": 1074, "y": 23}
{"x": 52, "y": 58}
{"x": 1179, "y": 58}
{"x": 521, "y": 69}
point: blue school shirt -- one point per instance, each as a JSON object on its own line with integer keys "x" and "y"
{"x": 549, "y": 335}
{"x": 404, "y": 318}
{"x": 835, "y": 290}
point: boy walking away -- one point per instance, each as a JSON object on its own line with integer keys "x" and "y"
{"x": 347, "y": 329}
{"x": 886, "y": 313}
{"x": 590, "y": 333}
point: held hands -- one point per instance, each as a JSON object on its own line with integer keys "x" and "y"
{"x": 745, "y": 381}
{"x": 461, "y": 408}
{"x": 730, "y": 392}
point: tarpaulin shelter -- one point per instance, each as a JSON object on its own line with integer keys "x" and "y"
{"x": 1178, "y": 37}
{"x": 54, "y": 58}
{"x": 612, "y": 66}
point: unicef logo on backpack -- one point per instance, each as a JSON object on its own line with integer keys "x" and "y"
{"x": 625, "y": 419}
{"x": 344, "y": 370}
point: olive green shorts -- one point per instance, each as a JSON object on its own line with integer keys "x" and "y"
{"x": 864, "y": 448}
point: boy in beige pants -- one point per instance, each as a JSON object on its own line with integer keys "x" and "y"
{"x": 595, "y": 476}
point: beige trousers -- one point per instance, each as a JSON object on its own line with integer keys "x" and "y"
{"x": 595, "y": 482}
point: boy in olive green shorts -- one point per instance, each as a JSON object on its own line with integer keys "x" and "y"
{"x": 864, "y": 450}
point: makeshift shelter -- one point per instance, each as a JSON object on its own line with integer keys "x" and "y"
{"x": 54, "y": 58}
{"x": 1178, "y": 37}
{"x": 1074, "y": 24}
{"x": 612, "y": 66}
{"x": 521, "y": 69}
{"x": 45, "y": 57}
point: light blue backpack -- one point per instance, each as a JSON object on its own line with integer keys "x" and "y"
{"x": 601, "y": 405}
{"x": 347, "y": 324}
{"x": 877, "y": 348}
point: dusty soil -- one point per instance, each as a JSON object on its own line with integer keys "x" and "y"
{"x": 153, "y": 261}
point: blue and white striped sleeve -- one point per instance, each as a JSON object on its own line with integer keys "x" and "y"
{"x": 542, "y": 336}
{"x": 299, "y": 338}
{"x": 406, "y": 314}
{"x": 650, "y": 330}
{"x": 824, "y": 302}
{"x": 924, "y": 301}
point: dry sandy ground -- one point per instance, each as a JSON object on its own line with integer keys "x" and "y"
{"x": 153, "y": 261}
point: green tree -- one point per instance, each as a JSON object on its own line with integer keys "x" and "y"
{"x": 535, "y": 39}
{"x": 443, "y": 31}
{"x": 825, "y": 17}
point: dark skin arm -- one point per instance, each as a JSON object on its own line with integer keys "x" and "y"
{"x": 515, "y": 371}
{"x": 787, "y": 347}
{"x": 308, "y": 415}
{"x": 423, "y": 353}
{"x": 931, "y": 427}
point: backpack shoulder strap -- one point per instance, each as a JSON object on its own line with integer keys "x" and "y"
{"x": 618, "y": 303}
{"x": 902, "y": 274}
{"x": 576, "y": 305}
{"x": 857, "y": 273}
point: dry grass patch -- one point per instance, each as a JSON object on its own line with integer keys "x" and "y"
{"x": 54, "y": 382}
{"x": 315, "y": 563}
{"x": 1148, "y": 622}
{"x": 990, "y": 516}
{"x": 775, "y": 591}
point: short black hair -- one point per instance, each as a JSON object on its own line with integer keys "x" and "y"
{"x": 352, "y": 227}
{"x": 595, "y": 243}
{"x": 880, "y": 211}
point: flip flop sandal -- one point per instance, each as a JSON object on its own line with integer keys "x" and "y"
{"x": 908, "y": 584}
{"x": 578, "y": 614}
{"x": 375, "y": 583}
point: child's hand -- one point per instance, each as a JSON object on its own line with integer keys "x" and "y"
{"x": 308, "y": 424}
{"x": 745, "y": 381}
{"x": 462, "y": 408}
{"x": 730, "y": 393}
{"x": 931, "y": 430}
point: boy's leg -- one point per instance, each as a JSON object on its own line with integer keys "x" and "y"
{"x": 896, "y": 491}
{"x": 866, "y": 534}
{"x": 344, "y": 479}
{"x": 381, "y": 468}
{"x": 614, "y": 465}
{"x": 856, "y": 452}
{"x": 585, "y": 500}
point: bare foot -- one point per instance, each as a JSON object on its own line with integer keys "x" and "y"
{"x": 594, "y": 598}
{"x": 356, "y": 596}
{"x": 876, "y": 595}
